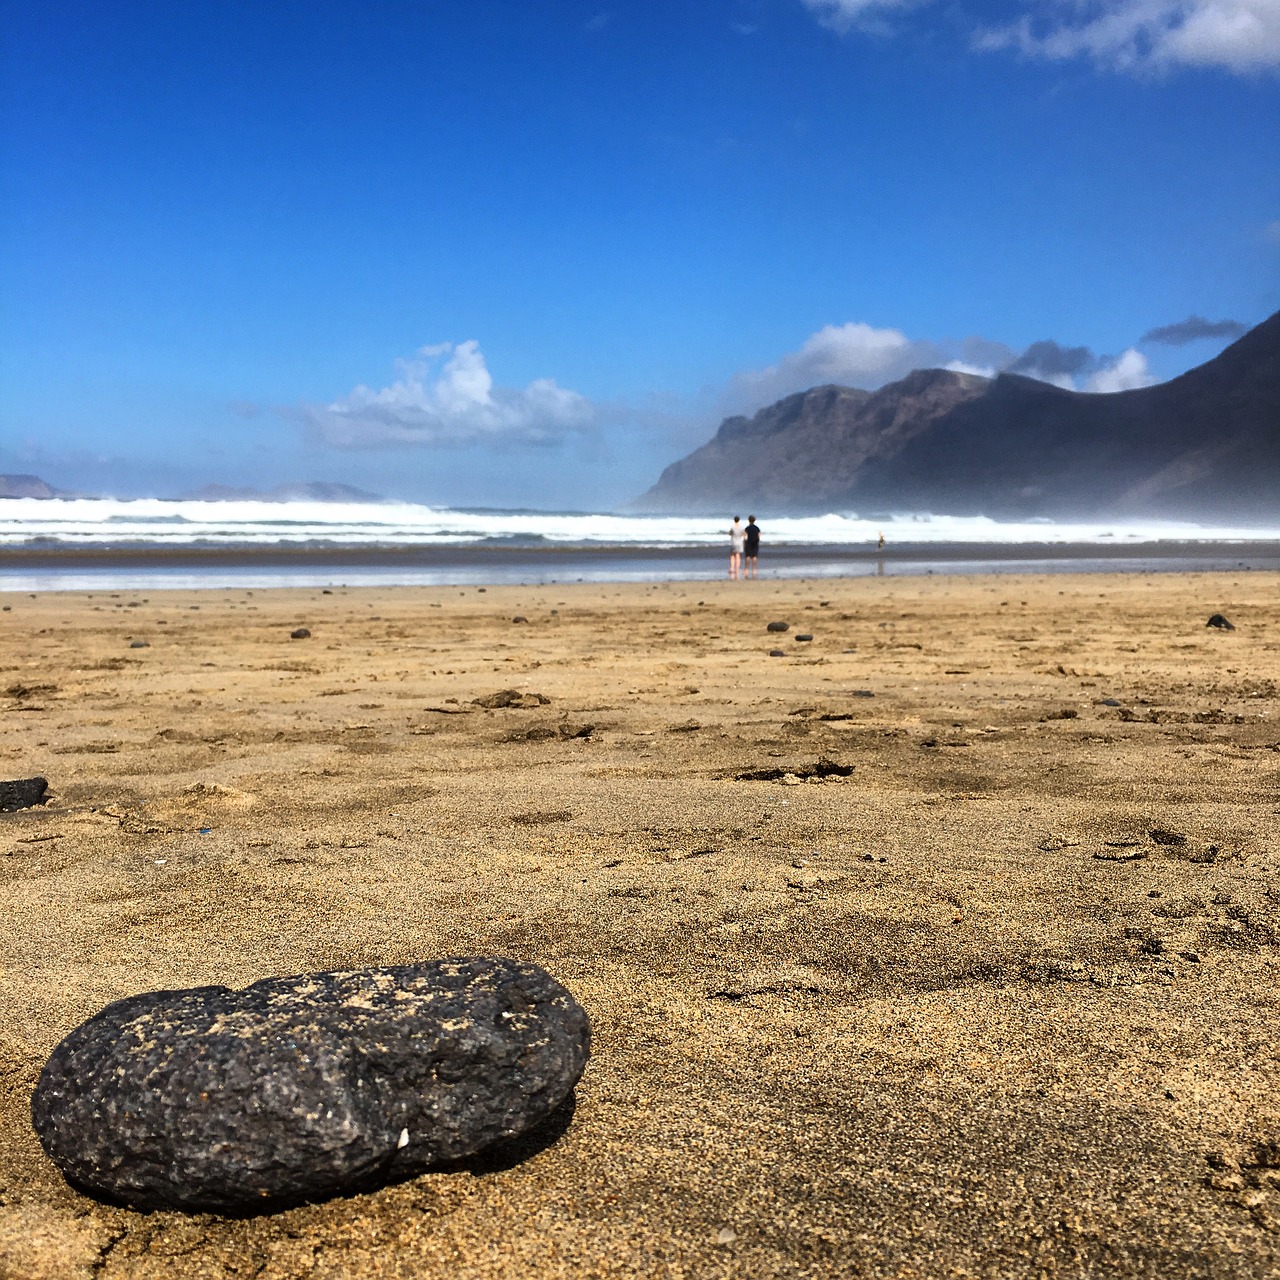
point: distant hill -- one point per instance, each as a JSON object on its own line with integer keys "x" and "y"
{"x": 25, "y": 487}
{"x": 314, "y": 491}
{"x": 1205, "y": 445}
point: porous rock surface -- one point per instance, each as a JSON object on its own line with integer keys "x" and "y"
{"x": 299, "y": 1088}
{"x": 22, "y": 793}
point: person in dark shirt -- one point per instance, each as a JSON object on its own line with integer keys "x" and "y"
{"x": 751, "y": 548}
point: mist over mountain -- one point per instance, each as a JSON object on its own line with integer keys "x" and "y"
{"x": 1205, "y": 445}
{"x": 311, "y": 491}
{"x": 25, "y": 486}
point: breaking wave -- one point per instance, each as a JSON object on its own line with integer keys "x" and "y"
{"x": 110, "y": 522}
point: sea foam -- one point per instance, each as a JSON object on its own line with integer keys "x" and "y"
{"x": 153, "y": 522}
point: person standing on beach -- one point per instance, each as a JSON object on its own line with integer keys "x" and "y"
{"x": 751, "y": 548}
{"x": 735, "y": 546}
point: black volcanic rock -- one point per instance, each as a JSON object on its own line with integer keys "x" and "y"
{"x": 22, "y": 793}
{"x": 300, "y": 1088}
{"x": 25, "y": 487}
{"x": 1203, "y": 445}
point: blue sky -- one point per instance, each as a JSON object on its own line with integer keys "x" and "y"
{"x": 527, "y": 254}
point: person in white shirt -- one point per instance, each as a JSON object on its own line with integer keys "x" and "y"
{"x": 735, "y": 546}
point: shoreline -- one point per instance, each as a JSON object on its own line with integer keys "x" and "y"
{"x": 72, "y": 568}
{"x": 398, "y": 553}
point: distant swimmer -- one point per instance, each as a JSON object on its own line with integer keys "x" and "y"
{"x": 735, "y": 546}
{"x": 751, "y": 548}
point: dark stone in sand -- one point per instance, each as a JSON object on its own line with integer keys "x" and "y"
{"x": 511, "y": 698}
{"x": 823, "y": 769}
{"x": 778, "y": 626}
{"x": 761, "y": 775}
{"x": 1108, "y": 702}
{"x": 300, "y": 1088}
{"x": 519, "y": 618}
{"x": 139, "y": 644}
{"x": 537, "y": 733}
{"x": 22, "y": 793}
{"x": 300, "y": 633}
{"x": 806, "y": 636}
{"x": 863, "y": 693}
{"x": 545, "y": 732}
{"x": 777, "y": 653}
{"x": 828, "y": 769}
{"x": 1220, "y": 622}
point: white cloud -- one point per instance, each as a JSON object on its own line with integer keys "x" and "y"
{"x": 852, "y": 354}
{"x": 1241, "y": 36}
{"x": 843, "y": 15}
{"x": 1126, "y": 372}
{"x": 851, "y": 351}
{"x": 445, "y": 395}
{"x": 859, "y": 355}
{"x": 1271, "y": 232}
{"x": 1143, "y": 35}
{"x": 978, "y": 370}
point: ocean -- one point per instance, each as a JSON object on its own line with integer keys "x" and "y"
{"x": 88, "y": 543}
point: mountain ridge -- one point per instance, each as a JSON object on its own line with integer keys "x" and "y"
{"x": 1203, "y": 444}
{"x": 26, "y": 486}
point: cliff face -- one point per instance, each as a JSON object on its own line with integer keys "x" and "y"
{"x": 1204, "y": 445}
{"x": 25, "y": 487}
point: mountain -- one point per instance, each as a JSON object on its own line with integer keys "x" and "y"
{"x": 25, "y": 487}
{"x": 313, "y": 491}
{"x": 1205, "y": 445}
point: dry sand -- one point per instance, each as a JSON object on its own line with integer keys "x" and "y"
{"x": 921, "y": 1021}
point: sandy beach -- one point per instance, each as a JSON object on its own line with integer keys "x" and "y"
{"x": 976, "y": 975}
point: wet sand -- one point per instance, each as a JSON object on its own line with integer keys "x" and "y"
{"x": 955, "y": 1014}
{"x": 513, "y": 561}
